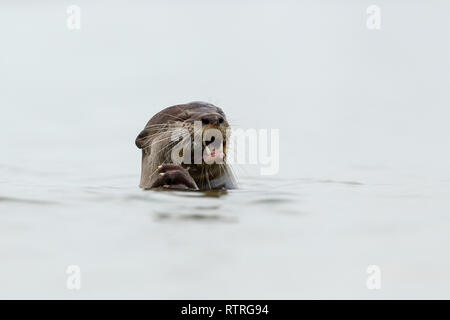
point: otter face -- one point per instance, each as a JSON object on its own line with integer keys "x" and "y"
{"x": 207, "y": 123}
{"x": 199, "y": 119}
{"x": 186, "y": 144}
{"x": 207, "y": 114}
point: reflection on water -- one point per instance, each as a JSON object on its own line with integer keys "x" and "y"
{"x": 199, "y": 217}
{"x": 196, "y": 194}
{"x": 24, "y": 201}
{"x": 174, "y": 244}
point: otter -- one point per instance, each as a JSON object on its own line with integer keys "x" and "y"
{"x": 159, "y": 142}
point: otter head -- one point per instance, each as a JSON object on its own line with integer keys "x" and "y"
{"x": 193, "y": 135}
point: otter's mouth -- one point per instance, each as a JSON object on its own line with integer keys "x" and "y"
{"x": 214, "y": 151}
{"x": 211, "y": 152}
{"x": 206, "y": 146}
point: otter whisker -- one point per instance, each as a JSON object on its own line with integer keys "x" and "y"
{"x": 169, "y": 145}
{"x": 156, "y": 125}
{"x": 175, "y": 117}
{"x": 150, "y": 141}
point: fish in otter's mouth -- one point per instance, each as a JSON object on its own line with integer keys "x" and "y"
{"x": 185, "y": 147}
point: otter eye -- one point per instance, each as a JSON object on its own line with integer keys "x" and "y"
{"x": 221, "y": 120}
{"x": 205, "y": 121}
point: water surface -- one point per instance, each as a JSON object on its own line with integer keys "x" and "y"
{"x": 363, "y": 180}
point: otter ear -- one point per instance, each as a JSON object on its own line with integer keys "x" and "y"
{"x": 142, "y": 138}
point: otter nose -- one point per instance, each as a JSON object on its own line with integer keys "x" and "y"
{"x": 214, "y": 119}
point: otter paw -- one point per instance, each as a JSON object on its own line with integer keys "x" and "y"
{"x": 172, "y": 176}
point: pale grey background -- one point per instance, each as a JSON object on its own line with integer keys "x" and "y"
{"x": 363, "y": 118}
